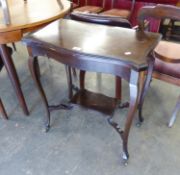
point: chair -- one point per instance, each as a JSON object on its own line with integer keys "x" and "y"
{"x": 123, "y": 12}
{"x": 2, "y": 109}
{"x": 105, "y": 20}
{"x": 166, "y": 55}
{"x": 90, "y": 8}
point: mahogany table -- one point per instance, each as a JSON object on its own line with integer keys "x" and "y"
{"x": 26, "y": 16}
{"x": 97, "y": 48}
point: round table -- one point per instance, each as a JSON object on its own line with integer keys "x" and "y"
{"x": 26, "y": 16}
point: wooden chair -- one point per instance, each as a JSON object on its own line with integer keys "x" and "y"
{"x": 90, "y": 8}
{"x": 166, "y": 55}
{"x": 103, "y": 20}
{"x": 123, "y": 13}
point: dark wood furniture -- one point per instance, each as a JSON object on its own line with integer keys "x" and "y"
{"x": 165, "y": 65}
{"x": 103, "y": 20}
{"x": 121, "y": 12}
{"x": 71, "y": 44}
{"x": 23, "y": 21}
{"x": 90, "y": 8}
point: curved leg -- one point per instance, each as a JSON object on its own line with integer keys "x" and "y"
{"x": 145, "y": 88}
{"x": 174, "y": 114}
{"x": 9, "y": 65}
{"x": 134, "y": 90}
{"x": 82, "y": 78}
{"x": 3, "y": 111}
{"x": 33, "y": 66}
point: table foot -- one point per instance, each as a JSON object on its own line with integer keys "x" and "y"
{"x": 141, "y": 118}
{"x": 125, "y": 158}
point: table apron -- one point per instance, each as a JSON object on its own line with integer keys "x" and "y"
{"x": 8, "y": 37}
{"x": 86, "y": 62}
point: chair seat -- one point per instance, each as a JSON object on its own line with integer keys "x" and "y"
{"x": 90, "y": 9}
{"x": 168, "y": 54}
{"x": 117, "y": 12}
{"x": 170, "y": 69}
{"x": 168, "y": 51}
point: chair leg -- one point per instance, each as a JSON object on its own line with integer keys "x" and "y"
{"x": 82, "y": 78}
{"x": 3, "y": 111}
{"x": 174, "y": 114}
{"x": 14, "y": 46}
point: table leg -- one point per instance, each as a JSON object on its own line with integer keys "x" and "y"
{"x": 174, "y": 114}
{"x": 3, "y": 111}
{"x": 69, "y": 80}
{"x": 34, "y": 69}
{"x": 9, "y": 65}
{"x": 82, "y": 79}
{"x": 134, "y": 91}
{"x": 145, "y": 88}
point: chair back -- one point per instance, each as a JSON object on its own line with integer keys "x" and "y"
{"x": 100, "y": 19}
{"x": 87, "y": 2}
{"x": 122, "y": 3}
{"x": 159, "y": 11}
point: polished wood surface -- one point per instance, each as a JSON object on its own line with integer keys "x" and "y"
{"x": 26, "y": 16}
{"x": 29, "y": 15}
{"x": 90, "y": 47}
{"x": 108, "y": 42}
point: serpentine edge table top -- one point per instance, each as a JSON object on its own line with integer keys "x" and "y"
{"x": 106, "y": 42}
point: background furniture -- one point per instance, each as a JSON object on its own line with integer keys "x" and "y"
{"x": 138, "y": 4}
{"x": 121, "y": 12}
{"x": 165, "y": 65}
{"x": 25, "y": 17}
{"x": 91, "y": 8}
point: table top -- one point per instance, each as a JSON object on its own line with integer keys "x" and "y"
{"x": 111, "y": 43}
{"x": 30, "y": 15}
{"x": 32, "y": 12}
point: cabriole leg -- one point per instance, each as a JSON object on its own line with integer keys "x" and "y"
{"x": 145, "y": 88}
{"x": 34, "y": 69}
{"x": 134, "y": 90}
